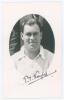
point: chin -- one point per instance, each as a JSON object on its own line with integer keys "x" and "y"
{"x": 33, "y": 49}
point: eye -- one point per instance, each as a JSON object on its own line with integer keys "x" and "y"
{"x": 28, "y": 34}
{"x": 36, "y": 33}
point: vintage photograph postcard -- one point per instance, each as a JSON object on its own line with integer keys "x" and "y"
{"x": 32, "y": 49}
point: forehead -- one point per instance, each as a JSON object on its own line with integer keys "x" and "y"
{"x": 31, "y": 28}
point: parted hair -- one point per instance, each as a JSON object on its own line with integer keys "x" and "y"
{"x": 31, "y": 21}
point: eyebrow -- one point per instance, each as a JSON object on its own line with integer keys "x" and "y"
{"x": 32, "y": 32}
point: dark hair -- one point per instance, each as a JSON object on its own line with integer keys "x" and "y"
{"x": 31, "y": 22}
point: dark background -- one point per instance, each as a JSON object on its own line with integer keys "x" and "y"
{"x": 15, "y": 41}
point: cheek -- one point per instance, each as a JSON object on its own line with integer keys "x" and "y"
{"x": 39, "y": 38}
{"x": 26, "y": 39}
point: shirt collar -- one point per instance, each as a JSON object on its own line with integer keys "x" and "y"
{"x": 41, "y": 53}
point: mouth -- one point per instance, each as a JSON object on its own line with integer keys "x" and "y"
{"x": 32, "y": 42}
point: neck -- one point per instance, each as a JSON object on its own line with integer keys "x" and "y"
{"x": 31, "y": 54}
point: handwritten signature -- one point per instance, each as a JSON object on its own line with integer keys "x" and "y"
{"x": 37, "y": 76}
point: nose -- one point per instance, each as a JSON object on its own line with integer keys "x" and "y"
{"x": 32, "y": 36}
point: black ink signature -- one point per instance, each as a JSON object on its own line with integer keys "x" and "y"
{"x": 37, "y": 76}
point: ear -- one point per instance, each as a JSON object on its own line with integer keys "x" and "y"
{"x": 21, "y": 35}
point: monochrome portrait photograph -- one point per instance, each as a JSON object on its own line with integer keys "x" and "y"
{"x": 32, "y": 50}
{"x": 31, "y": 59}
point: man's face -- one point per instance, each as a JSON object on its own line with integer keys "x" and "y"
{"x": 32, "y": 37}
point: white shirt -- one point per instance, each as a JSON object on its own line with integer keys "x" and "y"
{"x": 29, "y": 69}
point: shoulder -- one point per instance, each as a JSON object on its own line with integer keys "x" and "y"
{"x": 18, "y": 55}
{"x": 48, "y": 54}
